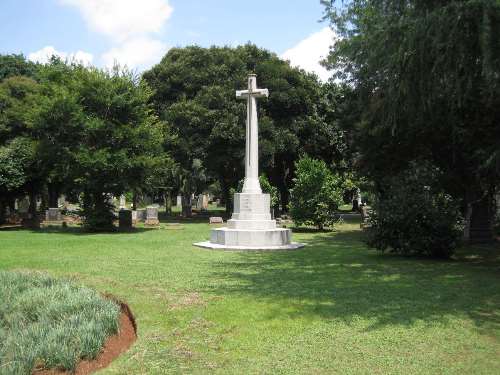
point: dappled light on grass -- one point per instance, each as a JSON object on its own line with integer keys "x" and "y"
{"x": 333, "y": 306}
{"x": 336, "y": 277}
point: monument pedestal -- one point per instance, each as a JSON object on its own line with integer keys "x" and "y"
{"x": 251, "y": 227}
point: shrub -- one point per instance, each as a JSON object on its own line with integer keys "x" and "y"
{"x": 316, "y": 195}
{"x": 50, "y": 323}
{"x": 413, "y": 218}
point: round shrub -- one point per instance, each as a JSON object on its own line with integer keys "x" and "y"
{"x": 316, "y": 195}
{"x": 413, "y": 218}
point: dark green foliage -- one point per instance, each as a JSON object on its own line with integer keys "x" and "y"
{"x": 50, "y": 323}
{"x": 16, "y": 65}
{"x": 97, "y": 135}
{"x": 426, "y": 84}
{"x": 412, "y": 218}
{"x": 316, "y": 193}
{"x": 15, "y": 158}
{"x": 267, "y": 188}
{"x": 19, "y": 168}
{"x": 195, "y": 92}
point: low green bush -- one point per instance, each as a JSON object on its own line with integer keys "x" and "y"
{"x": 414, "y": 218}
{"x": 50, "y": 323}
{"x": 316, "y": 195}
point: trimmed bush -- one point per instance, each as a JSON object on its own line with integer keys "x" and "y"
{"x": 413, "y": 218}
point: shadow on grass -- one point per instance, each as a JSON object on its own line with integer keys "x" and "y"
{"x": 197, "y": 218}
{"x": 74, "y": 230}
{"x": 337, "y": 277}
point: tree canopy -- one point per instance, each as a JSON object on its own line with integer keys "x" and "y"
{"x": 426, "y": 78}
{"x": 194, "y": 91}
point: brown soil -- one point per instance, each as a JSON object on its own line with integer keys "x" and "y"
{"x": 113, "y": 347}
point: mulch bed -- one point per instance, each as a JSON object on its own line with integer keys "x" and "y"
{"x": 113, "y": 347}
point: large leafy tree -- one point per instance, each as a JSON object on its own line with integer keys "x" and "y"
{"x": 426, "y": 80}
{"x": 195, "y": 92}
{"x": 97, "y": 134}
{"x": 19, "y": 172}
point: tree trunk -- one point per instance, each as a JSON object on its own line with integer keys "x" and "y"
{"x": 134, "y": 201}
{"x": 32, "y": 209}
{"x": 2, "y": 211}
{"x": 186, "y": 206}
{"x": 479, "y": 218}
{"x": 226, "y": 197}
{"x": 53, "y": 196}
{"x": 168, "y": 202}
{"x": 355, "y": 205}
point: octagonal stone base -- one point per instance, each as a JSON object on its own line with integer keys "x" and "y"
{"x": 251, "y": 227}
{"x": 248, "y": 239}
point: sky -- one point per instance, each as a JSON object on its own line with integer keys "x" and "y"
{"x": 138, "y": 33}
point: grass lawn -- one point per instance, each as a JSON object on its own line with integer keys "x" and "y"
{"x": 332, "y": 307}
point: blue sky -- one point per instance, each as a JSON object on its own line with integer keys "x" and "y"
{"x": 139, "y": 32}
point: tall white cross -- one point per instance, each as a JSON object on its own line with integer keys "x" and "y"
{"x": 252, "y": 184}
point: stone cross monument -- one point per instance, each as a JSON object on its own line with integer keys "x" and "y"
{"x": 252, "y": 184}
{"x": 251, "y": 226}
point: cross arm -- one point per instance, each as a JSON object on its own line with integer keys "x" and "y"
{"x": 259, "y": 93}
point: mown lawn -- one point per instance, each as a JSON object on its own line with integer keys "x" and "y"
{"x": 332, "y": 307}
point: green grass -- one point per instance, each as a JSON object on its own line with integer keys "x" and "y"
{"x": 333, "y": 307}
{"x": 49, "y": 323}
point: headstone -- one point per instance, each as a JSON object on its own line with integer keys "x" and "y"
{"x": 179, "y": 201}
{"x": 23, "y": 205}
{"x": 216, "y": 220}
{"x": 53, "y": 215}
{"x": 202, "y": 202}
{"x": 61, "y": 201}
{"x": 123, "y": 202}
{"x": 138, "y": 215}
{"x": 251, "y": 226}
{"x": 152, "y": 216}
{"x": 356, "y": 202}
{"x": 365, "y": 217}
{"x": 125, "y": 219}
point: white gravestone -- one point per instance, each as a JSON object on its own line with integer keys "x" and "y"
{"x": 202, "y": 202}
{"x": 152, "y": 216}
{"x": 123, "y": 202}
{"x": 251, "y": 226}
{"x": 53, "y": 214}
{"x": 179, "y": 201}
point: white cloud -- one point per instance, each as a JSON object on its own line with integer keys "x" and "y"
{"x": 139, "y": 52}
{"x": 309, "y": 52}
{"x": 131, "y": 25}
{"x": 43, "y": 56}
{"x": 123, "y": 19}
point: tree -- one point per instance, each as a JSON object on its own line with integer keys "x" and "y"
{"x": 426, "y": 82}
{"x": 19, "y": 170}
{"x": 195, "y": 93}
{"x": 316, "y": 193}
{"x": 98, "y": 134}
{"x": 16, "y": 65}
{"x": 16, "y": 158}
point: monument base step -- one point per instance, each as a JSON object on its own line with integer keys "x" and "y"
{"x": 250, "y": 239}
{"x": 214, "y": 246}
